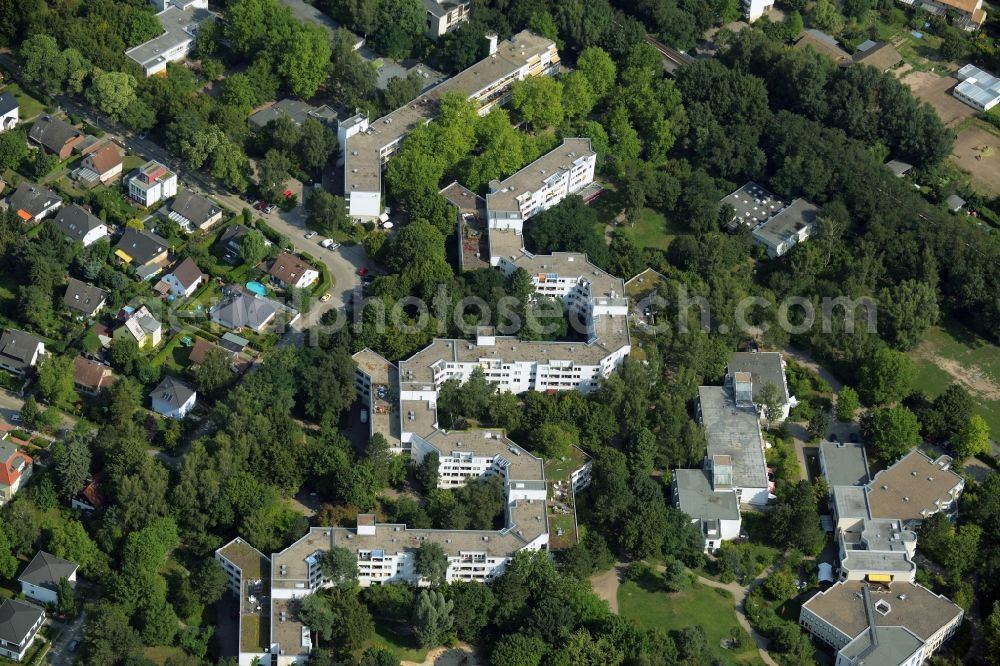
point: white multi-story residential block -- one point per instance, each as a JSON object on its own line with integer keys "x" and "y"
{"x": 708, "y": 497}
{"x": 153, "y": 183}
{"x": 180, "y": 20}
{"x": 541, "y": 185}
{"x": 443, "y": 16}
{"x": 754, "y": 9}
{"x": 367, "y": 146}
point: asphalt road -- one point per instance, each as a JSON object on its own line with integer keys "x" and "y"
{"x": 59, "y": 654}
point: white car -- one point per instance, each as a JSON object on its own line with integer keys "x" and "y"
{"x": 310, "y": 234}
{"x": 326, "y": 242}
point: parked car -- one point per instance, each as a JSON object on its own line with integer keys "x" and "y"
{"x": 362, "y": 271}
{"x": 74, "y": 645}
{"x": 310, "y": 234}
{"x": 335, "y": 246}
{"x": 325, "y": 297}
{"x": 270, "y": 208}
{"x": 367, "y": 280}
{"x": 326, "y": 242}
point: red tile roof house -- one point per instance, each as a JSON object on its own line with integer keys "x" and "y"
{"x": 290, "y": 271}
{"x": 91, "y": 377}
{"x": 103, "y": 165}
{"x": 15, "y": 470}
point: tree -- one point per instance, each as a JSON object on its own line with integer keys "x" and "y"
{"x": 908, "y": 310}
{"x": 401, "y": 89}
{"x": 819, "y": 424}
{"x": 518, "y": 650}
{"x": 30, "y": 413}
{"x": 316, "y": 144}
{"x": 824, "y": 15}
{"x": 124, "y": 352}
{"x": 13, "y": 149}
{"x": 272, "y": 173}
{"x": 794, "y": 521}
{"x": 599, "y": 69}
{"x": 991, "y": 633}
{"x": 431, "y": 563}
{"x": 42, "y": 63}
{"x": 847, "y": 404}
{"x": 327, "y": 213}
{"x": 893, "y": 431}
{"x": 66, "y": 597}
{"x": 72, "y": 464}
{"x": 253, "y": 248}
{"x": 973, "y": 439}
{"x": 8, "y": 562}
{"x": 772, "y": 401}
{"x": 432, "y": 619}
{"x": 887, "y": 377}
{"x": 55, "y": 379}
{"x": 353, "y": 624}
{"x": 304, "y": 62}
{"x": 780, "y": 586}
{"x": 111, "y": 92}
{"x": 70, "y": 541}
{"x": 214, "y": 373}
{"x": 315, "y": 613}
{"x": 578, "y": 99}
{"x": 538, "y": 99}
{"x": 376, "y": 656}
{"x": 339, "y": 567}
{"x": 208, "y": 581}
{"x": 473, "y": 604}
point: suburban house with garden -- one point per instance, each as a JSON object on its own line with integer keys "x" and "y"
{"x": 15, "y": 470}
{"x": 152, "y": 183}
{"x": 141, "y": 326}
{"x": 33, "y": 202}
{"x": 40, "y": 578}
{"x": 19, "y": 623}
{"x": 173, "y": 398}
{"x": 100, "y": 166}
{"x": 142, "y": 250}
{"x": 183, "y": 280}
{"x": 20, "y": 351}
{"x": 244, "y": 310}
{"x": 79, "y": 224}
{"x": 192, "y": 211}
{"x": 9, "y": 112}
{"x": 83, "y": 300}
{"x": 90, "y": 377}
{"x": 291, "y": 272}
{"x": 55, "y": 135}
{"x": 968, "y": 15}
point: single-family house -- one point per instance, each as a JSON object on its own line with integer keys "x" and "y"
{"x": 141, "y": 326}
{"x": 82, "y": 299}
{"x": 90, "y": 498}
{"x": 20, "y": 351}
{"x": 142, "y": 250}
{"x": 102, "y": 165}
{"x": 245, "y": 311}
{"x": 290, "y": 271}
{"x": 153, "y": 182}
{"x": 40, "y": 579}
{"x": 80, "y": 225}
{"x": 9, "y": 112}
{"x": 19, "y": 622}
{"x": 173, "y": 398}
{"x": 33, "y": 202}
{"x": 15, "y": 470}
{"x": 232, "y": 236}
{"x": 183, "y": 281}
{"x": 193, "y": 212}
{"x": 55, "y": 135}
{"x": 91, "y": 377}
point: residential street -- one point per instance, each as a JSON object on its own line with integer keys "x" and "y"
{"x": 59, "y": 654}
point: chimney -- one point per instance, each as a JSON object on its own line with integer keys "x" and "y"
{"x": 491, "y": 37}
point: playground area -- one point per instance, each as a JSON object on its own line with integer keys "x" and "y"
{"x": 976, "y": 151}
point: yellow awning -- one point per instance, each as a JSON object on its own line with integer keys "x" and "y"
{"x": 880, "y": 578}
{"x": 123, "y": 256}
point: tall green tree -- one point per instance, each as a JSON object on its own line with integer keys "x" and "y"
{"x": 432, "y": 618}
{"x": 431, "y": 563}
{"x": 339, "y": 567}
{"x": 893, "y": 431}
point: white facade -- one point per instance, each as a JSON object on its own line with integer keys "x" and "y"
{"x": 180, "y": 290}
{"x": 754, "y": 9}
{"x": 9, "y": 120}
{"x": 153, "y": 183}
{"x": 17, "y": 648}
{"x": 94, "y": 235}
{"x": 180, "y": 20}
{"x": 43, "y": 594}
{"x": 443, "y": 16}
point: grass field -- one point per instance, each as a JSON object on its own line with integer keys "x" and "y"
{"x": 29, "y": 107}
{"x": 404, "y": 647}
{"x": 650, "y": 230}
{"x": 559, "y": 470}
{"x": 702, "y": 606}
{"x": 951, "y": 353}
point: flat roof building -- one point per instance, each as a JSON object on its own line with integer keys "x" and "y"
{"x": 914, "y": 488}
{"x": 180, "y": 20}
{"x": 793, "y": 224}
{"x": 843, "y": 463}
{"x": 752, "y": 205}
{"x": 977, "y": 88}
{"x": 708, "y": 497}
{"x": 733, "y": 430}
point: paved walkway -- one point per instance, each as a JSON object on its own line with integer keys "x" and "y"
{"x": 606, "y": 584}
{"x": 739, "y": 597}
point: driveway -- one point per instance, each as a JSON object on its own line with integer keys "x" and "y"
{"x": 59, "y": 654}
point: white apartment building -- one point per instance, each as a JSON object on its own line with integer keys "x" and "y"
{"x": 153, "y": 183}
{"x": 367, "y": 146}
{"x": 443, "y": 16}
{"x": 180, "y": 20}
{"x": 899, "y": 623}
{"x": 733, "y": 429}
{"x": 754, "y": 9}
{"x": 708, "y": 498}
{"x": 540, "y": 185}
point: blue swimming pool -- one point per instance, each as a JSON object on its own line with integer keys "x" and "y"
{"x": 257, "y": 288}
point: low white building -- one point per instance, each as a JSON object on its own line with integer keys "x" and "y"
{"x": 977, "y": 88}
{"x": 180, "y": 20}
{"x": 153, "y": 183}
{"x": 754, "y": 9}
{"x": 709, "y": 499}
{"x": 40, "y": 579}
{"x": 794, "y": 224}
{"x": 173, "y": 398}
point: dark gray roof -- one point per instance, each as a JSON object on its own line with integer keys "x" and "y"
{"x": 83, "y": 298}
{"x": 232, "y": 235}
{"x": 7, "y": 103}
{"x": 894, "y": 645}
{"x": 142, "y": 246}
{"x": 764, "y": 368}
{"x": 17, "y": 347}
{"x": 696, "y": 498}
{"x": 33, "y": 199}
{"x": 844, "y": 463}
{"x": 46, "y": 570}
{"x": 195, "y": 209}
{"x": 232, "y": 342}
{"x": 297, "y": 110}
{"x": 898, "y": 168}
{"x": 76, "y": 222}
{"x": 172, "y": 391}
{"x": 17, "y": 618}
{"x": 244, "y": 310}
{"x": 52, "y": 133}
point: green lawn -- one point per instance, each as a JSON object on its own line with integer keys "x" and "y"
{"x": 950, "y": 352}
{"x": 651, "y": 230}
{"x": 700, "y": 605}
{"x": 130, "y": 162}
{"x": 404, "y": 647}
{"x": 29, "y": 107}
{"x": 565, "y": 522}
{"x": 559, "y": 470}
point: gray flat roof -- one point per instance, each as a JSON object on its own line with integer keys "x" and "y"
{"x": 764, "y": 368}
{"x": 696, "y": 498}
{"x": 844, "y": 463}
{"x": 734, "y": 430}
{"x": 894, "y": 645}
{"x": 851, "y": 502}
{"x": 752, "y": 204}
{"x": 179, "y": 26}
{"x": 790, "y": 220}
